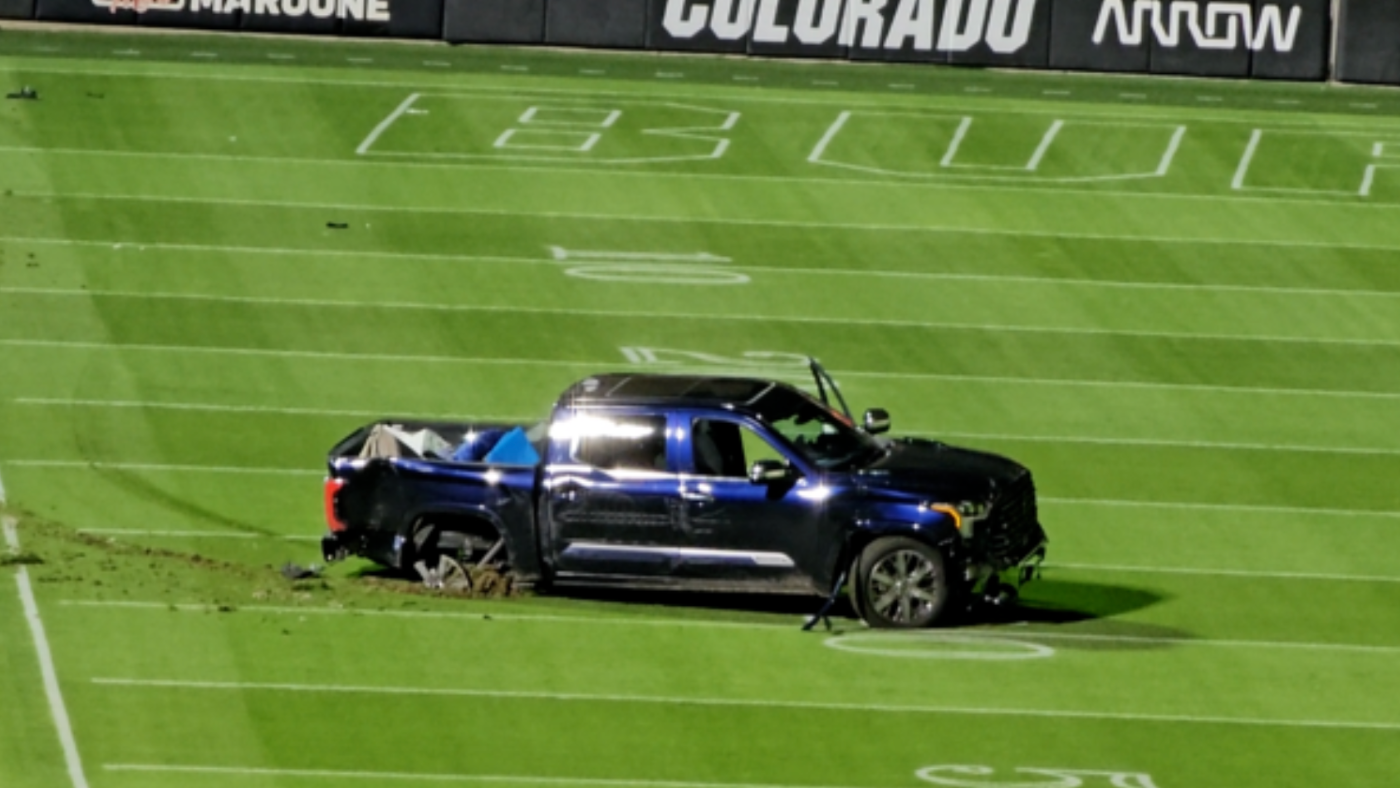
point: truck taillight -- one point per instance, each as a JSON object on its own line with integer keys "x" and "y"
{"x": 333, "y": 487}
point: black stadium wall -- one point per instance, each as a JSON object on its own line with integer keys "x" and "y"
{"x": 1269, "y": 39}
{"x": 16, "y": 9}
{"x": 1368, "y": 48}
{"x": 394, "y": 18}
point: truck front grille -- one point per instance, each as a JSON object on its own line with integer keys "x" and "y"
{"x": 1012, "y": 530}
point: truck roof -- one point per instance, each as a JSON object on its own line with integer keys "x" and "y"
{"x": 634, "y": 389}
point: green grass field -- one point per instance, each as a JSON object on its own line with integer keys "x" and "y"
{"x": 1177, "y": 301}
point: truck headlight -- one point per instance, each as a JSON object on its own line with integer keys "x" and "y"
{"x": 965, "y": 514}
{"x": 974, "y": 510}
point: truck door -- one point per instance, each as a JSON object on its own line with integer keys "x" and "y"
{"x": 611, "y": 491}
{"x": 754, "y": 534}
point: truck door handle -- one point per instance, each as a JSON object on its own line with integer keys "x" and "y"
{"x": 697, "y": 497}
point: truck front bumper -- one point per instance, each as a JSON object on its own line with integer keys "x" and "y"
{"x": 1001, "y": 586}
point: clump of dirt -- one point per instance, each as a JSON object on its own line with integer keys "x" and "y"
{"x": 98, "y": 567}
{"x": 20, "y": 559}
{"x": 491, "y": 583}
{"x": 485, "y": 584}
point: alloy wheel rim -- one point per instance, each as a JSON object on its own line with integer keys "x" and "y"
{"x": 903, "y": 587}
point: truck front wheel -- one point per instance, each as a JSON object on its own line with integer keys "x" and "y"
{"x": 900, "y": 583}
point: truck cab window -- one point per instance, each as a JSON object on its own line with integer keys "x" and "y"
{"x": 727, "y": 449}
{"x": 620, "y": 442}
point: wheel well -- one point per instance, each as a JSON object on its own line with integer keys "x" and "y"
{"x": 862, "y": 539}
{"x": 456, "y": 533}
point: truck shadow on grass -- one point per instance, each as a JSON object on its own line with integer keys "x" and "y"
{"x": 1063, "y": 614}
{"x": 1072, "y": 615}
{"x": 1083, "y": 617}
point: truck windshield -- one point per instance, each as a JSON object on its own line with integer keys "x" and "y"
{"x": 824, "y": 437}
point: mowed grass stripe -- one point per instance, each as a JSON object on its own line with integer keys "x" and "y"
{"x": 504, "y": 613}
{"x": 585, "y": 367}
{"x": 602, "y": 259}
{"x": 1230, "y": 537}
{"x": 1365, "y": 329}
{"x": 913, "y": 226}
{"x": 912, "y": 709}
{"x": 419, "y": 244}
{"x": 347, "y": 774}
{"x": 100, "y": 465}
{"x": 1130, "y": 424}
{"x": 1033, "y": 416}
{"x": 915, "y": 431}
{"x": 1203, "y": 506}
{"x": 399, "y": 161}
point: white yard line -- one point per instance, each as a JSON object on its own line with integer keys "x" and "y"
{"x": 1172, "y": 147}
{"x": 874, "y": 227}
{"x": 465, "y": 360}
{"x": 1367, "y": 179}
{"x": 47, "y": 672}
{"x": 883, "y": 708}
{"x": 1247, "y": 573}
{"x": 831, "y": 132}
{"x": 1044, "y": 146}
{"x": 385, "y": 124}
{"x": 952, "y": 151}
{"x": 1238, "y": 182}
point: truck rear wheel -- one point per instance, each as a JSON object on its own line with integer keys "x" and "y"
{"x": 444, "y": 573}
{"x": 461, "y": 555}
{"x": 900, "y": 583}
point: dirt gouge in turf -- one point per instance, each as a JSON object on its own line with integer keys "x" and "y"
{"x": 696, "y": 483}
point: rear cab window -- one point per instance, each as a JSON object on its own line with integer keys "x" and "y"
{"x": 616, "y": 441}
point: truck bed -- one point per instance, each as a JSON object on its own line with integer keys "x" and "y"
{"x": 450, "y": 442}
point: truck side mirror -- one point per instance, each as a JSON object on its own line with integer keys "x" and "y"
{"x": 769, "y": 471}
{"x": 876, "y": 421}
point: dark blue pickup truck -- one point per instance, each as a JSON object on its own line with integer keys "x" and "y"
{"x": 692, "y": 482}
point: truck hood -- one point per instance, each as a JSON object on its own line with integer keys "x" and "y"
{"x": 940, "y": 471}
